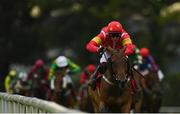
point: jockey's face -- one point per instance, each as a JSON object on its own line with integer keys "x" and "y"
{"x": 114, "y": 36}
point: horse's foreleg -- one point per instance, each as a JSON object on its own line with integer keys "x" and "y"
{"x": 103, "y": 108}
{"x": 95, "y": 107}
{"x": 138, "y": 105}
{"x": 126, "y": 108}
{"x": 138, "y": 100}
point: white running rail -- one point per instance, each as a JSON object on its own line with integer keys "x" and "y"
{"x": 10, "y": 103}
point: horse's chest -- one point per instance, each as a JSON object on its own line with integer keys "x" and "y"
{"x": 116, "y": 91}
{"x": 115, "y": 95}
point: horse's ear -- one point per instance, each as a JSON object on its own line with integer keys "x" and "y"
{"x": 111, "y": 50}
{"x": 121, "y": 51}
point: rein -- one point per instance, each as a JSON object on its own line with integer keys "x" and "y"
{"x": 114, "y": 76}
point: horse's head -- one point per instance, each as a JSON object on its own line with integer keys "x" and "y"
{"x": 119, "y": 66}
{"x": 58, "y": 80}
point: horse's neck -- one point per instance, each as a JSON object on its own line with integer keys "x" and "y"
{"x": 110, "y": 80}
{"x": 150, "y": 79}
{"x": 107, "y": 74}
{"x": 58, "y": 82}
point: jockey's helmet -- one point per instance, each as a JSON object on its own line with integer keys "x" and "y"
{"x": 144, "y": 52}
{"x": 39, "y": 63}
{"x": 114, "y": 29}
{"x": 12, "y": 73}
{"x": 114, "y": 26}
{"x": 22, "y": 75}
{"x": 91, "y": 68}
{"x": 61, "y": 61}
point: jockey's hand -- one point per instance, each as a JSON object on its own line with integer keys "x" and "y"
{"x": 129, "y": 50}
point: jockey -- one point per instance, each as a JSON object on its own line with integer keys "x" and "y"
{"x": 149, "y": 63}
{"x": 136, "y": 58}
{"x": 66, "y": 67}
{"x": 88, "y": 71}
{"x": 39, "y": 69}
{"x": 38, "y": 79}
{"x": 112, "y": 35}
{"x": 9, "y": 79}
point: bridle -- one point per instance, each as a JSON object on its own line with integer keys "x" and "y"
{"x": 116, "y": 81}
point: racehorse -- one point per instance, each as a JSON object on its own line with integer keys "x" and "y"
{"x": 114, "y": 93}
{"x": 39, "y": 86}
{"x": 152, "y": 93}
{"x": 60, "y": 95}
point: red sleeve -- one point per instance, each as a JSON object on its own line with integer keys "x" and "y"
{"x": 124, "y": 34}
{"x": 83, "y": 78}
{"x": 92, "y": 47}
{"x": 94, "y": 44}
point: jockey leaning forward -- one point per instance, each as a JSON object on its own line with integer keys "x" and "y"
{"x": 38, "y": 79}
{"x": 149, "y": 63}
{"x": 87, "y": 72}
{"x": 112, "y": 35}
{"x": 12, "y": 75}
{"x": 66, "y": 67}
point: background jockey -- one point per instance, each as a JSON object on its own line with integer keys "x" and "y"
{"x": 63, "y": 61}
{"x": 148, "y": 60}
{"x": 112, "y": 35}
{"x": 64, "y": 67}
{"x": 67, "y": 68}
{"x": 88, "y": 71}
{"x": 149, "y": 63}
{"x": 39, "y": 69}
{"x": 9, "y": 79}
{"x": 136, "y": 58}
{"x": 38, "y": 80}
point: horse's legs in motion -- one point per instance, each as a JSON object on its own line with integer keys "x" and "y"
{"x": 127, "y": 107}
{"x": 103, "y": 108}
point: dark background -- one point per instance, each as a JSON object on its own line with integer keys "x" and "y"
{"x": 32, "y": 29}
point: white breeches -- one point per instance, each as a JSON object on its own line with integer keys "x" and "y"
{"x": 105, "y": 56}
{"x": 66, "y": 80}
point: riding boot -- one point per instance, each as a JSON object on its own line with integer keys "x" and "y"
{"x": 101, "y": 68}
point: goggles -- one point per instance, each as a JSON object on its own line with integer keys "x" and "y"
{"x": 114, "y": 35}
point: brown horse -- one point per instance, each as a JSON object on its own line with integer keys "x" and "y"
{"x": 152, "y": 93}
{"x": 60, "y": 95}
{"x": 115, "y": 93}
{"x": 38, "y": 86}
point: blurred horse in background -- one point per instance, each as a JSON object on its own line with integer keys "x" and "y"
{"x": 152, "y": 93}
{"x": 114, "y": 93}
{"x": 60, "y": 95}
{"x": 39, "y": 86}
